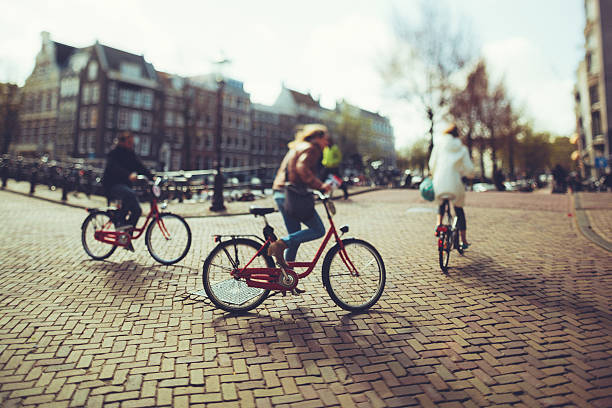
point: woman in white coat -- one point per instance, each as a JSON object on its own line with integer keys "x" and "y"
{"x": 449, "y": 162}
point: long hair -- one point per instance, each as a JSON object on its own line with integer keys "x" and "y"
{"x": 307, "y": 133}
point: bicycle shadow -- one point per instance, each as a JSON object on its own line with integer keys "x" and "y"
{"x": 131, "y": 279}
{"x": 544, "y": 291}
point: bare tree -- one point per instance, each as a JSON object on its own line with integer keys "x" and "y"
{"x": 426, "y": 58}
{"x": 467, "y": 105}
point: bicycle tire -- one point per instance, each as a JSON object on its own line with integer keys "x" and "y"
{"x": 157, "y": 240}
{"x": 346, "y": 290}
{"x": 225, "y": 292}
{"x": 444, "y": 250}
{"x": 94, "y": 222}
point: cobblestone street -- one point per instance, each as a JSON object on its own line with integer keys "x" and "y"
{"x": 523, "y": 318}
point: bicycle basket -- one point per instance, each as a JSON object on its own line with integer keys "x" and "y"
{"x": 427, "y": 190}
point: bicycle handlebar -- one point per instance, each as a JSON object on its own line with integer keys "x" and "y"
{"x": 321, "y": 195}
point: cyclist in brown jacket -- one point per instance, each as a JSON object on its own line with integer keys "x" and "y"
{"x": 300, "y": 166}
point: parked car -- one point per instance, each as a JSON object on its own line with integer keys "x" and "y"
{"x": 483, "y": 187}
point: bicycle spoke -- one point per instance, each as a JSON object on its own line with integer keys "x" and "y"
{"x": 222, "y": 267}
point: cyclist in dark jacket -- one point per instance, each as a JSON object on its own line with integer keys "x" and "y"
{"x": 122, "y": 167}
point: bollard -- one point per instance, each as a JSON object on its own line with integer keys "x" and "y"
{"x": 65, "y": 188}
{"x": 33, "y": 181}
{"x": 4, "y": 174}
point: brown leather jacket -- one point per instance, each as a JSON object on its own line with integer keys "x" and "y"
{"x": 301, "y": 163}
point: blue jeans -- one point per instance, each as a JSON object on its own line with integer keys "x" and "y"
{"x": 129, "y": 203}
{"x": 297, "y": 235}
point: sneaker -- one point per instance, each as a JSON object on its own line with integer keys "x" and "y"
{"x": 465, "y": 246}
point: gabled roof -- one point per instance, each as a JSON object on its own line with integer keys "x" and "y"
{"x": 304, "y": 99}
{"x": 63, "y": 53}
{"x": 114, "y": 57}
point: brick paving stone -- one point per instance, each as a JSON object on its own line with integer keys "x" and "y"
{"x": 521, "y": 319}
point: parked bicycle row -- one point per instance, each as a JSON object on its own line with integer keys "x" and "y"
{"x": 76, "y": 177}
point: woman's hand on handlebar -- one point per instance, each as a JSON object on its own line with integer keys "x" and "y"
{"x": 326, "y": 188}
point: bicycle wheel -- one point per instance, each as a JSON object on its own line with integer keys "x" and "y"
{"x": 97, "y": 221}
{"x": 168, "y": 238}
{"x": 444, "y": 249}
{"x": 350, "y": 292}
{"x": 226, "y": 292}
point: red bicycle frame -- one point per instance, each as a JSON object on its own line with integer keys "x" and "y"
{"x": 113, "y": 237}
{"x": 267, "y": 278}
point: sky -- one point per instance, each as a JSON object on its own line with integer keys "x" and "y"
{"x": 331, "y": 49}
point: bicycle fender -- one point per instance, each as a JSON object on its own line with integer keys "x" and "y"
{"x": 93, "y": 211}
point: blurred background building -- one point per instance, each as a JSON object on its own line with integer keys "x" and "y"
{"x": 77, "y": 101}
{"x": 593, "y": 90}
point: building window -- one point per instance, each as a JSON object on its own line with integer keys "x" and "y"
{"x": 93, "y": 117}
{"x": 596, "y": 123}
{"x": 110, "y": 117}
{"x": 135, "y": 121}
{"x": 92, "y": 70}
{"x": 130, "y": 70}
{"x": 112, "y": 92}
{"x": 125, "y": 97}
{"x": 123, "y": 119}
{"x": 82, "y": 143}
{"x": 146, "y": 122}
{"x": 86, "y": 97}
{"x": 84, "y": 119}
{"x": 594, "y": 94}
{"x": 169, "y": 119}
{"x": 144, "y": 143}
{"x": 147, "y": 99}
{"x": 95, "y": 93}
{"x": 91, "y": 142}
{"x": 169, "y": 102}
{"x": 137, "y": 99}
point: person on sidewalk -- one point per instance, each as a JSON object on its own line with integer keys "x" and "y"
{"x": 122, "y": 168}
{"x": 299, "y": 167}
{"x": 449, "y": 162}
{"x": 332, "y": 157}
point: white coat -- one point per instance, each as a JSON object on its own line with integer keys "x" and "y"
{"x": 449, "y": 162}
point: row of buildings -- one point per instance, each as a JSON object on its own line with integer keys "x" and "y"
{"x": 593, "y": 91}
{"x": 77, "y": 100}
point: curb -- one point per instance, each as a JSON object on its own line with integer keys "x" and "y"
{"x": 8, "y": 190}
{"x": 223, "y": 214}
{"x": 584, "y": 225}
{"x": 248, "y": 213}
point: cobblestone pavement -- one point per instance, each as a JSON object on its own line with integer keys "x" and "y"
{"x": 523, "y": 319}
{"x": 188, "y": 208}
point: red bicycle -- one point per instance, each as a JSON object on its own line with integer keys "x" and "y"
{"x": 238, "y": 274}
{"x": 168, "y": 237}
{"x": 448, "y": 235}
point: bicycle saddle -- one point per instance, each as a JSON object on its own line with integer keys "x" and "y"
{"x": 261, "y": 210}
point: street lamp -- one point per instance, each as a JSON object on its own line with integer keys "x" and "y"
{"x": 217, "y": 200}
